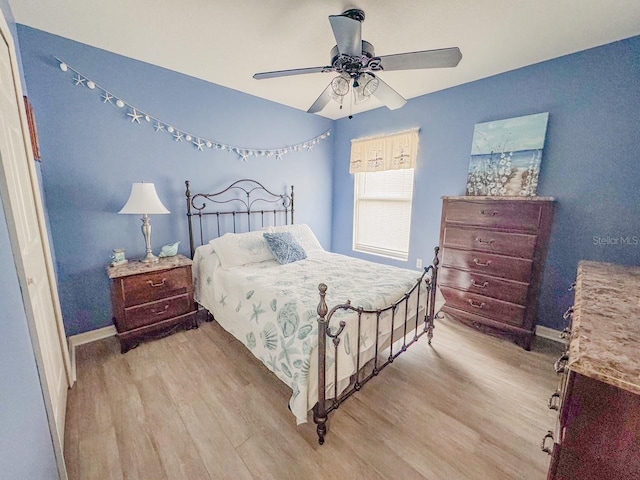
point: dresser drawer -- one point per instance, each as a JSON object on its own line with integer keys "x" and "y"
{"x": 154, "y": 312}
{"x": 488, "y": 264}
{"x": 485, "y": 306}
{"x": 151, "y": 286}
{"x": 506, "y": 290}
{"x": 512, "y": 244}
{"x": 508, "y": 215}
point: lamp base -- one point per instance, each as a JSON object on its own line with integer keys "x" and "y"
{"x": 146, "y": 232}
{"x": 149, "y": 258}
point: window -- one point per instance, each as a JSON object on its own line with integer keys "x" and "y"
{"x": 382, "y": 214}
{"x": 383, "y": 167}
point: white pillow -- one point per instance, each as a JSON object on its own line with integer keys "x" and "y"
{"x": 302, "y": 233}
{"x": 234, "y": 249}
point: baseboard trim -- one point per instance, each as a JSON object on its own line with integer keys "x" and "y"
{"x": 548, "y": 333}
{"x": 87, "y": 337}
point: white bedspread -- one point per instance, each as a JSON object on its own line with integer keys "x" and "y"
{"x": 271, "y": 308}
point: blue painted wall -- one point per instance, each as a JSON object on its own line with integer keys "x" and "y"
{"x": 92, "y": 153}
{"x": 26, "y": 450}
{"x": 589, "y": 164}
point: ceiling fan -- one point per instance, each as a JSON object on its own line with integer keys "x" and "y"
{"x": 354, "y": 60}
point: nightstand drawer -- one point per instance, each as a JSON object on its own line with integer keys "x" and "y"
{"x": 152, "y": 286}
{"x": 154, "y": 312}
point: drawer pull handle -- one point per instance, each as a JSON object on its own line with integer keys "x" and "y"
{"x": 482, "y": 285}
{"x": 484, "y": 242}
{"x": 572, "y": 286}
{"x": 560, "y": 364}
{"x": 480, "y": 264}
{"x": 566, "y": 333}
{"x": 476, "y": 305}
{"x": 543, "y": 446}
{"x": 166, "y": 307}
{"x": 489, "y": 213}
{"x": 568, "y": 313}
{"x": 554, "y": 401}
{"x": 150, "y": 282}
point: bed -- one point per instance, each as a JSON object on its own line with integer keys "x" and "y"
{"x": 279, "y": 310}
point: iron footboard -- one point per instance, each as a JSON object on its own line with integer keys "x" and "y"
{"x": 399, "y": 329}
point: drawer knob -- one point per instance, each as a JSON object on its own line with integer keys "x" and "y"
{"x": 484, "y": 242}
{"x": 480, "y": 264}
{"x": 489, "y": 213}
{"x": 166, "y": 307}
{"x": 566, "y": 333}
{"x": 554, "y": 401}
{"x": 150, "y": 282}
{"x": 479, "y": 285}
{"x": 476, "y": 305}
{"x": 543, "y": 446}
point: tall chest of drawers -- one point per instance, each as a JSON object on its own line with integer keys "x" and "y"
{"x": 493, "y": 251}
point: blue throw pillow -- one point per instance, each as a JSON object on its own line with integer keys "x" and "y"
{"x": 284, "y": 247}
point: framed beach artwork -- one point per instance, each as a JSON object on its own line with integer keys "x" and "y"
{"x": 506, "y": 155}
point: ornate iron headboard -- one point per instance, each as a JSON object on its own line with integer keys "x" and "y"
{"x": 243, "y": 197}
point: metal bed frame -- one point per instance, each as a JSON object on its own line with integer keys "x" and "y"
{"x": 246, "y": 194}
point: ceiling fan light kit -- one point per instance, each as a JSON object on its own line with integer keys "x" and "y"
{"x": 355, "y": 62}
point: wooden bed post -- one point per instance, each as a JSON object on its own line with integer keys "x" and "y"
{"x": 432, "y": 294}
{"x": 320, "y": 410}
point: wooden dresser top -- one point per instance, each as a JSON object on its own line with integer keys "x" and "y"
{"x": 605, "y": 335}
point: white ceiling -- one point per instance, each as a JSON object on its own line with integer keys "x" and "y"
{"x": 226, "y": 42}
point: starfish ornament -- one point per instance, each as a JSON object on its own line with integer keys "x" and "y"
{"x": 178, "y": 136}
{"x": 79, "y": 80}
{"x": 199, "y": 145}
{"x": 159, "y": 127}
{"x": 135, "y": 116}
{"x": 107, "y": 98}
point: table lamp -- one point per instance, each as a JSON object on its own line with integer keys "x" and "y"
{"x": 144, "y": 201}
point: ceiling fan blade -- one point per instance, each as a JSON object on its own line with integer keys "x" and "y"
{"x": 287, "y": 73}
{"x": 444, "y": 57}
{"x": 348, "y": 33}
{"x": 321, "y": 101}
{"x": 387, "y": 95}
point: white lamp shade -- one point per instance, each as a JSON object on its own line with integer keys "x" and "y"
{"x": 144, "y": 199}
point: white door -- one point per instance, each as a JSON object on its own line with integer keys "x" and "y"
{"x": 23, "y": 209}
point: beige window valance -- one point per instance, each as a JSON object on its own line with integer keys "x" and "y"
{"x": 387, "y": 152}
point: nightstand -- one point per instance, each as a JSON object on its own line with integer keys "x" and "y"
{"x": 152, "y": 300}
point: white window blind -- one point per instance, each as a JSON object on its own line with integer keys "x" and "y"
{"x": 382, "y": 216}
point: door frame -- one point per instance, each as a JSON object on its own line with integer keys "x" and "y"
{"x": 6, "y": 34}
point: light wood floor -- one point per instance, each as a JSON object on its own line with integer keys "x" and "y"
{"x": 197, "y": 405}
